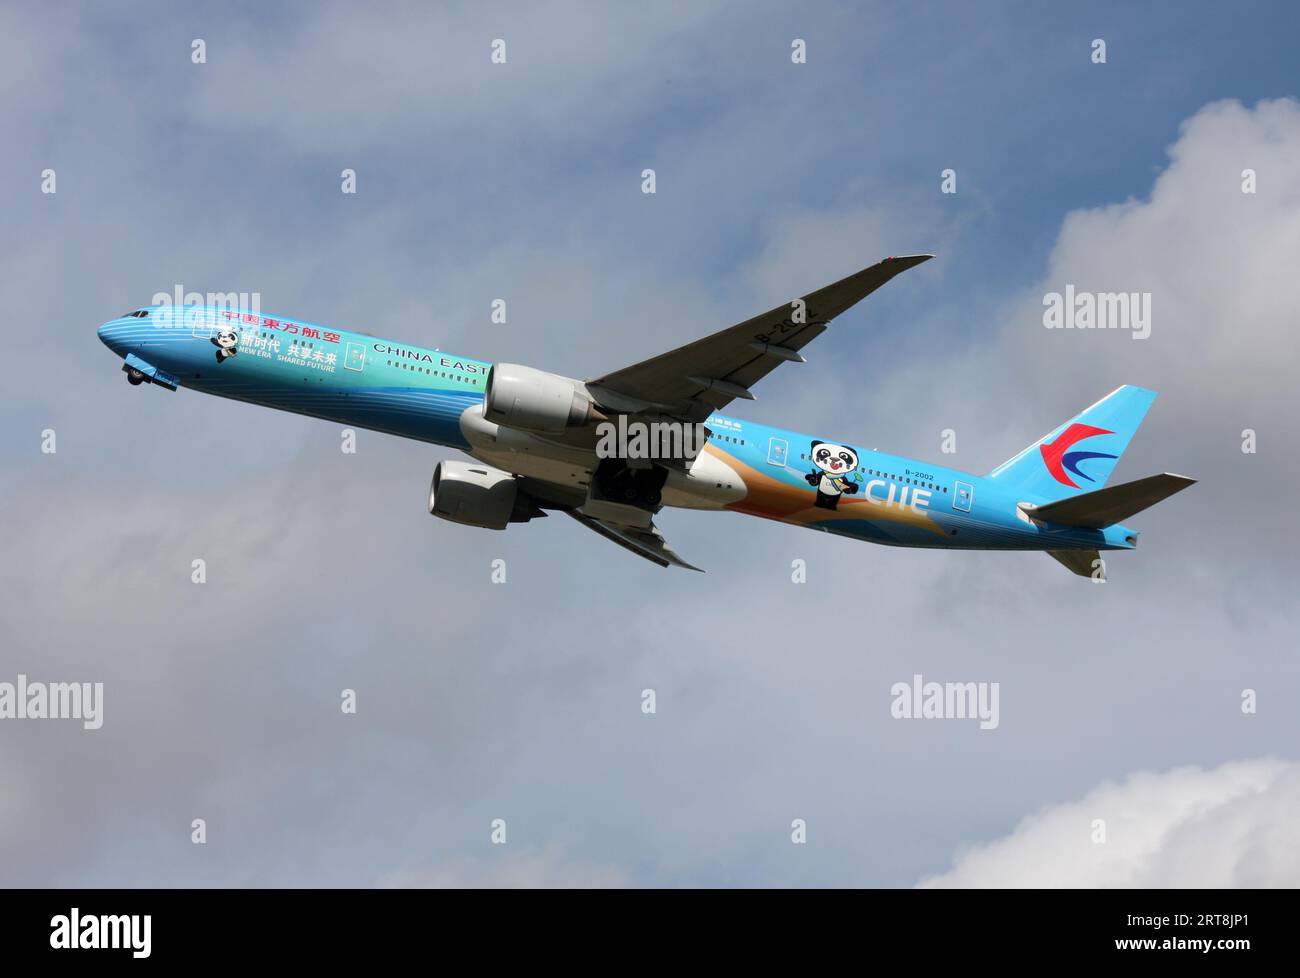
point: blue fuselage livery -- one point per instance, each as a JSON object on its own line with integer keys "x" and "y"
{"x": 351, "y": 378}
{"x": 534, "y": 437}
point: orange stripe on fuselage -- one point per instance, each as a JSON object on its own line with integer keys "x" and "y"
{"x": 776, "y": 500}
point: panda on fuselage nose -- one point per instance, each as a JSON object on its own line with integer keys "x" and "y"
{"x": 227, "y": 342}
{"x": 832, "y": 478}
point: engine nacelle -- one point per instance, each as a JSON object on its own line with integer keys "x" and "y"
{"x": 479, "y": 495}
{"x": 521, "y": 397}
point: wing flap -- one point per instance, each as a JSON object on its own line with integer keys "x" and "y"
{"x": 648, "y": 543}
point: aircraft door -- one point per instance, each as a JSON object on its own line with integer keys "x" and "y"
{"x": 963, "y": 497}
{"x": 777, "y": 452}
{"x": 202, "y": 323}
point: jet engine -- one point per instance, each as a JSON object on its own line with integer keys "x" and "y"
{"x": 521, "y": 397}
{"x": 479, "y": 495}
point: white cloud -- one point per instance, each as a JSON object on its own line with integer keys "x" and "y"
{"x": 1233, "y": 826}
{"x": 1214, "y": 258}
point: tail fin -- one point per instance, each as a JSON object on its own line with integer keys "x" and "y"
{"x": 1054, "y": 467}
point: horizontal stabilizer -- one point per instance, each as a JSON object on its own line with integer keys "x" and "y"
{"x": 1114, "y": 504}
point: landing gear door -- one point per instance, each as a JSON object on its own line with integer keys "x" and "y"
{"x": 963, "y": 497}
{"x": 777, "y": 452}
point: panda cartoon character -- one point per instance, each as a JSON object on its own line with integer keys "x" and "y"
{"x": 226, "y": 342}
{"x": 835, "y": 475}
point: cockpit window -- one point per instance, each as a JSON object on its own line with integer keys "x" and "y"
{"x": 138, "y": 314}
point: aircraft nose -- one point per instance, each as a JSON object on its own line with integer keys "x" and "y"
{"x": 111, "y": 335}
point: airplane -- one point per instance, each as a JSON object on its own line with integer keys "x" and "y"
{"x": 541, "y": 442}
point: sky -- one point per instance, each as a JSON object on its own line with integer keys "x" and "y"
{"x": 1124, "y": 754}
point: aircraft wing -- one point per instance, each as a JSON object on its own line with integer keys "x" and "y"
{"x": 648, "y": 543}
{"x": 701, "y": 377}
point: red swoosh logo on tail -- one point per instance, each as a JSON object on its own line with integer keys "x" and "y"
{"x": 1053, "y": 451}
